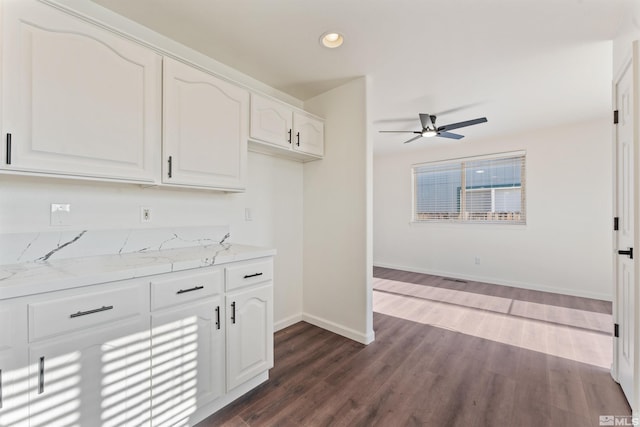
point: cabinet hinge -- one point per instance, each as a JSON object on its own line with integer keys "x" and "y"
{"x": 615, "y": 223}
{"x": 616, "y": 330}
{"x": 615, "y": 117}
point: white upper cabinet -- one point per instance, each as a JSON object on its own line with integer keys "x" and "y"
{"x": 309, "y": 134}
{"x": 295, "y": 134}
{"x": 205, "y": 129}
{"x": 271, "y": 121}
{"x": 76, "y": 99}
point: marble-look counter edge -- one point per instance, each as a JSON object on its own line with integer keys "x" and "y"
{"x": 19, "y": 280}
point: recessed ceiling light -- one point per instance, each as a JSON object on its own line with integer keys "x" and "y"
{"x": 331, "y": 40}
{"x": 480, "y": 171}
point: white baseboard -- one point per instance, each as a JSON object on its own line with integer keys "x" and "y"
{"x": 352, "y": 334}
{"x": 491, "y": 280}
{"x": 288, "y": 321}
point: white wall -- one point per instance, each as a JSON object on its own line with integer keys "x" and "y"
{"x": 629, "y": 31}
{"x": 274, "y": 193}
{"x": 565, "y": 246}
{"x": 337, "y": 233}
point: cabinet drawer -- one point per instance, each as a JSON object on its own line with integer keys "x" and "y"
{"x": 91, "y": 308}
{"x": 248, "y": 274}
{"x": 178, "y": 288}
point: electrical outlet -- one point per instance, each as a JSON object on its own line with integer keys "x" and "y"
{"x": 145, "y": 214}
{"x": 60, "y": 214}
{"x": 248, "y": 214}
{"x": 477, "y": 260}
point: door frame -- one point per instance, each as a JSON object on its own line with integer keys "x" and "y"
{"x": 631, "y": 62}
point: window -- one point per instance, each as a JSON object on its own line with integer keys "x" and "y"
{"x": 482, "y": 189}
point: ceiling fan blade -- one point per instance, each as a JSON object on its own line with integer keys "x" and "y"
{"x": 462, "y": 124}
{"x": 413, "y": 139}
{"x": 426, "y": 121}
{"x": 400, "y": 131}
{"x": 398, "y": 120}
{"x": 459, "y": 108}
{"x": 450, "y": 135}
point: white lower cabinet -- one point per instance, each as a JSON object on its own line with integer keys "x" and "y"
{"x": 89, "y": 356}
{"x": 96, "y": 378}
{"x": 187, "y": 346}
{"x": 249, "y": 334}
{"x": 14, "y": 399}
{"x": 165, "y": 350}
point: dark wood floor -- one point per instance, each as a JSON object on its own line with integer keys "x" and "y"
{"x": 417, "y": 374}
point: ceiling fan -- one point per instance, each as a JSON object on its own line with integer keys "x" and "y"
{"x": 429, "y": 128}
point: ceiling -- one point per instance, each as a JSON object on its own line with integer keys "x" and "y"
{"x": 524, "y": 64}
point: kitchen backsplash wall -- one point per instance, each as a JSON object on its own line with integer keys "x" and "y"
{"x": 45, "y": 246}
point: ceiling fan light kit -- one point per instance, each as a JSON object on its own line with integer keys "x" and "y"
{"x": 429, "y": 128}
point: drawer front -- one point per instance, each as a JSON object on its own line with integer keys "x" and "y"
{"x": 178, "y": 288}
{"x": 247, "y": 274}
{"x": 87, "y": 309}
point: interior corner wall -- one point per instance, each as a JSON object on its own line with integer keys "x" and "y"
{"x": 337, "y": 235}
{"x": 629, "y": 32}
{"x": 565, "y": 247}
{"x": 274, "y": 195}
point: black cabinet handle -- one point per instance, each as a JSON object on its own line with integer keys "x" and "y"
{"x": 298, "y": 136}
{"x": 170, "y": 166}
{"x": 41, "y": 376}
{"x": 95, "y": 310}
{"x": 247, "y": 276}
{"x": 233, "y": 312}
{"x": 195, "y": 288}
{"x": 629, "y": 253}
{"x": 289, "y": 136}
{"x": 218, "y": 317}
{"x": 8, "y": 160}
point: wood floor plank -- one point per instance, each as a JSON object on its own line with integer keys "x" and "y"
{"x": 439, "y": 360}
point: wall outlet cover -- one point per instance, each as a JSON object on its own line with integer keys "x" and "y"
{"x": 145, "y": 214}
{"x": 60, "y": 214}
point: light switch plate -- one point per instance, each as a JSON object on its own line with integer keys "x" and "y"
{"x": 60, "y": 214}
{"x": 145, "y": 214}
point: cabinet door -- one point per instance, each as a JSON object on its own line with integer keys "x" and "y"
{"x": 14, "y": 411}
{"x": 249, "y": 334}
{"x": 77, "y": 99}
{"x": 97, "y": 378}
{"x": 308, "y": 134}
{"x": 14, "y": 399}
{"x": 205, "y": 129}
{"x": 271, "y": 121}
{"x": 187, "y": 360}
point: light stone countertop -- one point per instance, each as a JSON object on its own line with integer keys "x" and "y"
{"x": 17, "y": 280}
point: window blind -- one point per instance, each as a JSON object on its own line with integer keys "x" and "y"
{"x": 487, "y": 189}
